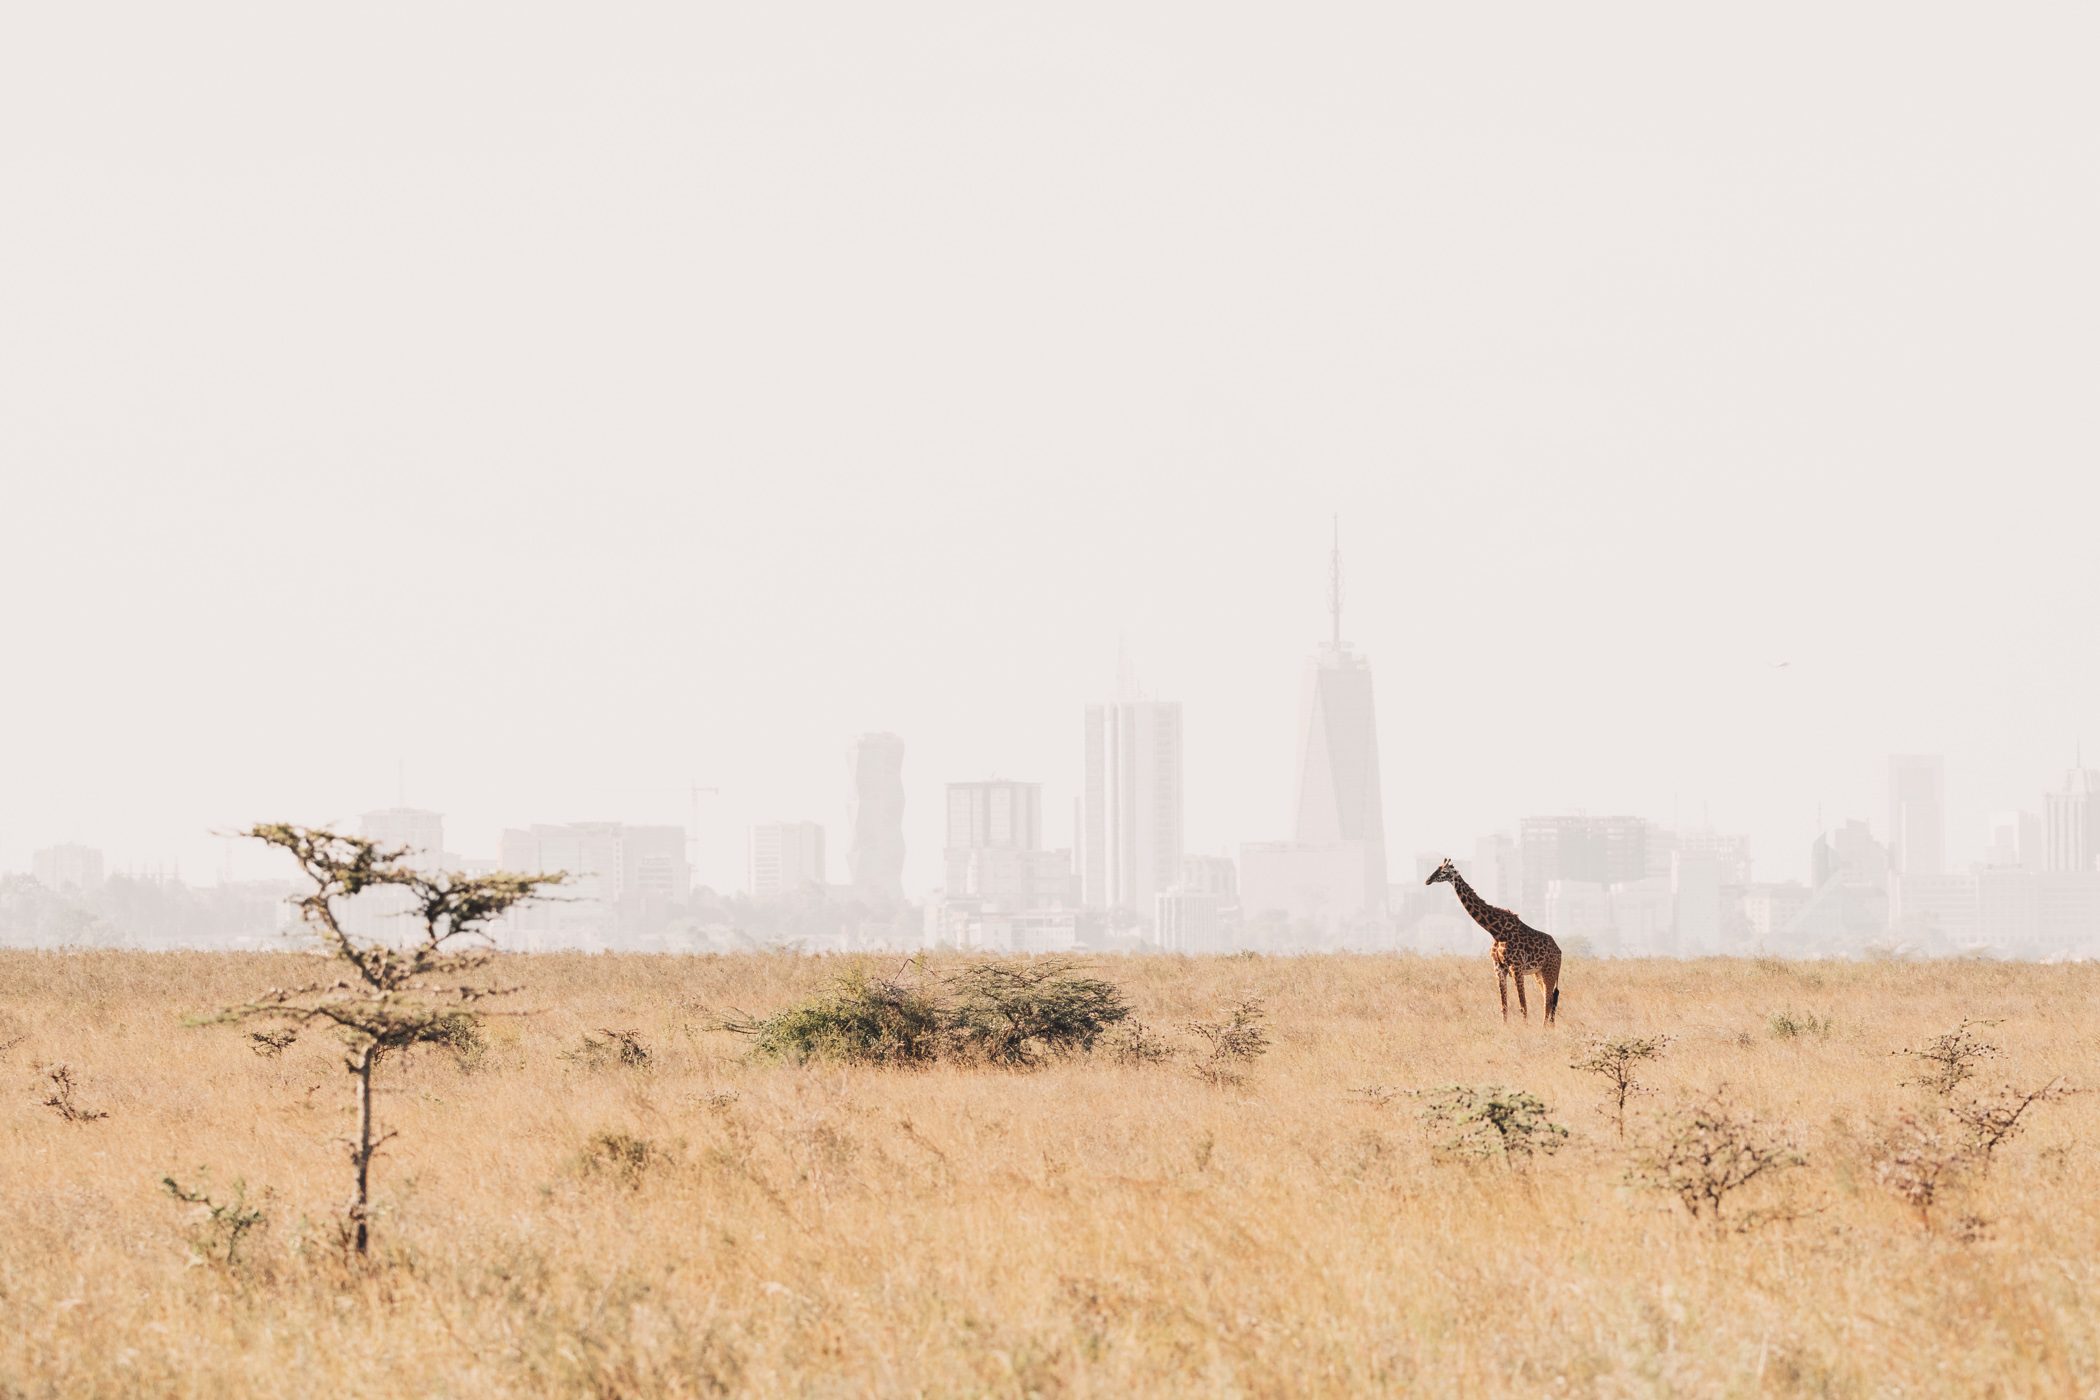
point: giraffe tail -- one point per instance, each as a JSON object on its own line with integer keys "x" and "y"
{"x": 1553, "y": 1003}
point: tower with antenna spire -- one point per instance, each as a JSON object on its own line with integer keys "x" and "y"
{"x": 1333, "y": 870}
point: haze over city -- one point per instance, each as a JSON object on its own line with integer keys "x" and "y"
{"x": 734, "y": 393}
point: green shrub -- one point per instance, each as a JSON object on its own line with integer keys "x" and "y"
{"x": 862, "y": 1020}
{"x": 1492, "y": 1121}
{"x": 1618, "y": 1062}
{"x": 461, "y": 1033}
{"x": 1014, "y": 1014}
{"x": 217, "y": 1228}
{"x": 1787, "y": 1025}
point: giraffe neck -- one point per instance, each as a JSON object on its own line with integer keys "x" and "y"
{"x": 1475, "y": 905}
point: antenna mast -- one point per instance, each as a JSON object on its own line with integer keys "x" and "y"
{"x": 1334, "y": 581}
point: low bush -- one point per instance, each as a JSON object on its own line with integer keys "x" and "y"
{"x": 862, "y": 1020}
{"x": 1492, "y": 1121}
{"x": 61, "y": 1097}
{"x": 1948, "y": 1061}
{"x": 1709, "y": 1150}
{"x": 1792, "y": 1025}
{"x": 1135, "y": 1043}
{"x": 622, "y": 1156}
{"x": 1014, "y": 1014}
{"x": 461, "y": 1033}
{"x": 607, "y": 1049}
{"x": 1992, "y": 1120}
{"x": 1232, "y": 1043}
{"x": 216, "y": 1228}
{"x": 1917, "y": 1159}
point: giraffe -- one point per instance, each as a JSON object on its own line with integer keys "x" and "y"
{"x": 1519, "y": 948}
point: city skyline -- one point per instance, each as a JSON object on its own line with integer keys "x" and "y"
{"x": 867, "y": 419}
{"x": 1957, "y": 842}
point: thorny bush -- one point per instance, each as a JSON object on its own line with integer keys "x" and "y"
{"x": 1947, "y": 1061}
{"x": 1707, "y": 1151}
{"x": 1492, "y": 1121}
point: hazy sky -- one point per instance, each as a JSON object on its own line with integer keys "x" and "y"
{"x": 561, "y": 403}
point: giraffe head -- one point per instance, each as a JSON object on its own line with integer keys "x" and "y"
{"x": 1446, "y": 871}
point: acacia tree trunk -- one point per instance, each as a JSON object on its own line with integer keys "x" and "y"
{"x": 361, "y": 1155}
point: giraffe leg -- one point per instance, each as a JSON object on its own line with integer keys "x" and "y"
{"x": 1522, "y": 1005}
{"x": 1502, "y": 985}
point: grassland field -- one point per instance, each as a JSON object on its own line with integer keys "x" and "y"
{"x": 549, "y": 1222}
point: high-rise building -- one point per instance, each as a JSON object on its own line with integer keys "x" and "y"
{"x": 786, "y": 858}
{"x": 2014, "y": 841}
{"x": 2071, "y": 823}
{"x": 1917, "y": 814}
{"x": 994, "y": 852}
{"x": 1849, "y": 854}
{"x": 1497, "y": 873}
{"x": 994, "y": 815}
{"x": 1193, "y": 921}
{"x": 423, "y": 833}
{"x": 654, "y": 869}
{"x": 67, "y": 869}
{"x": 1580, "y": 849}
{"x": 620, "y": 880}
{"x": 388, "y": 911}
{"x": 1339, "y": 794}
{"x": 1332, "y": 873}
{"x": 1130, "y": 837}
{"x": 1210, "y": 875}
{"x": 875, "y": 817}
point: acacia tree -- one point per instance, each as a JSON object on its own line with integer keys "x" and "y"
{"x": 1619, "y": 1063}
{"x": 415, "y": 990}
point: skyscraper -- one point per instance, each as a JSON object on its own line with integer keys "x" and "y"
{"x": 423, "y": 833}
{"x": 786, "y": 858}
{"x": 1917, "y": 814}
{"x": 386, "y": 911}
{"x": 1334, "y": 869}
{"x": 2071, "y": 823}
{"x": 1340, "y": 800}
{"x": 875, "y": 817}
{"x": 994, "y": 852}
{"x": 1131, "y": 809}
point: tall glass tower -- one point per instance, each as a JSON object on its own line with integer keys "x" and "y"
{"x": 1340, "y": 800}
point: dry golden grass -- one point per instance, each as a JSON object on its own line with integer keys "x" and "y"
{"x": 1084, "y": 1229}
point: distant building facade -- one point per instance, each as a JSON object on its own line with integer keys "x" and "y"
{"x": 1917, "y": 786}
{"x": 2071, "y": 823}
{"x": 1130, "y": 837}
{"x": 993, "y": 815}
{"x": 422, "y": 832}
{"x": 785, "y": 858}
{"x": 875, "y": 818}
{"x": 68, "y": 869}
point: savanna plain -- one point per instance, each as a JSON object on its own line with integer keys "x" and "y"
{"x": 1377, "y": 1187}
